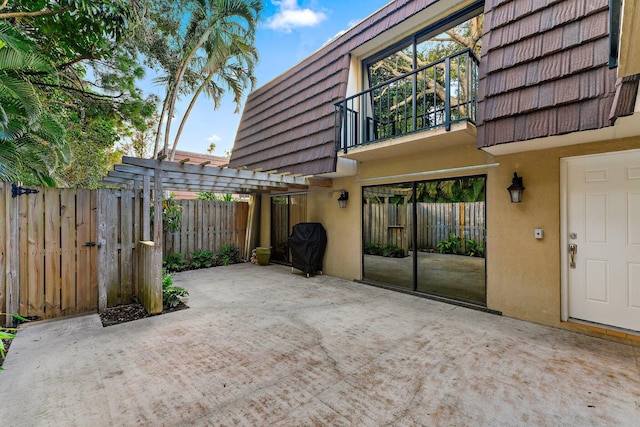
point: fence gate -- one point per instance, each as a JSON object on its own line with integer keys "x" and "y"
{"x": 48, "y": 251}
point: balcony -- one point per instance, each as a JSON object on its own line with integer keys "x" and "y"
{"x": 419, "y": 110}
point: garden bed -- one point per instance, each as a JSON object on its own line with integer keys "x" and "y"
{"x": 130, "y": 312}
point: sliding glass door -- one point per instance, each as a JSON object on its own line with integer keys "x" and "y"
{"x": 427, "y": 236}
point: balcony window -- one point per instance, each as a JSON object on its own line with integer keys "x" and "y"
{"x": 427, "y": 81}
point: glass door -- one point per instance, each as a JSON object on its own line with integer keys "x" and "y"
{"x": 286, "y": 211}
{"x": 427, "y": 236}
{"x": 386, "y": 235}
{"x": 450, "y": 238}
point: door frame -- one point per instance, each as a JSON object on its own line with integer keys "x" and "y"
{"x": 564, "y": 240}
{"x": 564, "y": 225}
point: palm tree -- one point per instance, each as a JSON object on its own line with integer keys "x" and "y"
{"x": 224, "y": 30}
{"x": 230, "y": 65}
{"x": 31, "y": 141}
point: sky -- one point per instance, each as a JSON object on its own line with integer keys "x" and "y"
{"x": 290, "y": 30}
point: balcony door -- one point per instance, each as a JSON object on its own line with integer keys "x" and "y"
{"x": 424, "y": 81}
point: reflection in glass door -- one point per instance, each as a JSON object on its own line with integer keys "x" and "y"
{"x": 450, "y": 237}
{"x": 386, "y": 232}
{"x": 428, "y": 237}
{"x": 286, "y": 211}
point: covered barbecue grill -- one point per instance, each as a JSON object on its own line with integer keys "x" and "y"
{"x": 307, "y": 244}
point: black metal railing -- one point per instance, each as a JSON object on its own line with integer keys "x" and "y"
{"x": 438, "y": 94}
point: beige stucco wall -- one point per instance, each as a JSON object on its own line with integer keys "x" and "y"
{"x": 523, "y": 273}
{"x": 344, "y": 230}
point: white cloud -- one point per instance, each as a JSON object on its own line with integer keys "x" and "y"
{"x": 290, "y": 16}
{"x": 214, "y": 138}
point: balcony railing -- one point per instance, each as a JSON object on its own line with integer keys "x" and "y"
{"x": 436, "y": 95}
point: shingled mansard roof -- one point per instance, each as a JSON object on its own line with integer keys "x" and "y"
{"x": 287, "y": 124}
{"x": 544, "y": 71}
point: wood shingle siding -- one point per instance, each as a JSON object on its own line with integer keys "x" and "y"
{"x": 544, "y": 71}
{"x": 287, "y": 124}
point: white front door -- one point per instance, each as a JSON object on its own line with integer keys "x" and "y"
{"x": 603, "y": 222}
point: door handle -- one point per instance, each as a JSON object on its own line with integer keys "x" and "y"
{"x": 573, "y": 250}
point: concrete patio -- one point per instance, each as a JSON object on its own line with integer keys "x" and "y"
{"x": 261, "y": 346}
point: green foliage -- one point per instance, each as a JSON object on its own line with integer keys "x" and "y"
{"x": 69, "y": 69}
{"x": 391, "y": 250}
{"x": 171, "y": 214}
{"x": 451, "y": 245}
{"x": 8, "y": 334}
{"x": 202, "y": 259}
{"x": 451, "y": 190}
{"x": 171, "y": 293}
{"x": 475, "y": 248}
{"x": 214, "y": 197}
{"x": 373, "y": 249}
{"x": 388, "y": 250}
{"x": 174, "y": 262}
{"x": 454, "y": 245}
{"x": 201, "y": 46}
{"x": 228, "y": 254}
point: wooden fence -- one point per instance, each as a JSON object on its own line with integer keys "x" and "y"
{"x": 390, "y": 223}
{"x": 72, "y": 251}
{"x": 208, "y": 225}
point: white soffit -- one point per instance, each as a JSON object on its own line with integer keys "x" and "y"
{"x": 625, "y": 127}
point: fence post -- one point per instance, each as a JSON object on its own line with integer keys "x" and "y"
{"x": 12, "y": 256}
{"x": 102, "y": 254}
{"x": 146, "y": 208}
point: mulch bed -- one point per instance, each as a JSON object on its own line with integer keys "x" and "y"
{"x": 130, "y": 312}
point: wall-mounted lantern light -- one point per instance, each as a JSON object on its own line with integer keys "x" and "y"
{"x": 342, "y": 200}
{"x": 516, "y": 189}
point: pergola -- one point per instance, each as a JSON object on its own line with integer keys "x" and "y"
{"x": 181, "y": 175}
{"x": 159, "y": 175}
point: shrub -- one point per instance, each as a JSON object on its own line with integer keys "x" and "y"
{"x": 475, "y": 248}
{"x": 450, "y": 245}
{"x": 171, "y": 292}
{"x": 7, "y": 334}
{"x": 174, "y": 262}
{"x": 202, "y": 259}
{"x": 228, "y": 254}
{"x": 373, "y": 249}
{"x": 171, "y": 214}
{"x": 391, "y": 250}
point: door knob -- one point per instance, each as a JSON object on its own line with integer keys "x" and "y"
{"x": 573, "y": 250}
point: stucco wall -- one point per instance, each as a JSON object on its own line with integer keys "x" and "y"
{"x": 344, "y": 226}
{"x": 524, "y": 274}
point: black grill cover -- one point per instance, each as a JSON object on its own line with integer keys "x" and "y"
{"x": 307, "y": 244}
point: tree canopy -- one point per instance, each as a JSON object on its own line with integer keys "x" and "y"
{"x": 68, "y": 88}
{"x": 69, "y": 72}
{"x": 200, "y": 46}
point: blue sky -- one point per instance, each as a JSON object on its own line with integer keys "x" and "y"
{"x": 289, "y": 32}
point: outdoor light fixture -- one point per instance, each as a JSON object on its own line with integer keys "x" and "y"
{"x": 516, "y": 189}
{"x": 342, "y": 200}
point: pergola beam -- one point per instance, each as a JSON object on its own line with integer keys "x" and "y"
{"x": 178, "y": 176}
